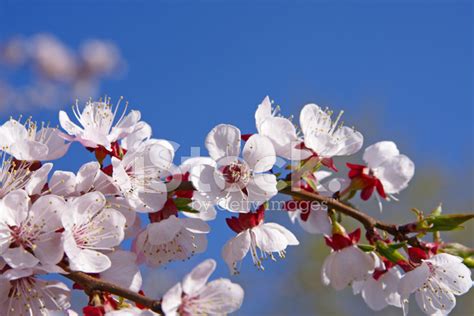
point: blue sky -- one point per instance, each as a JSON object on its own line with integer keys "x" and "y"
{"x": 401, "y": 69}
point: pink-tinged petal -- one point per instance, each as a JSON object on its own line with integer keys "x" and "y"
{"x": 68, "y": 125}
{"x": 197, "y": 278}
{"x": 124, "y": 270}
{"x": 259, "y": 153}
{"x": 86, "y": 176}
{"x": 172, "y": 300}
{"x": 223, "y": 141}
{"x": 51, "y": 137}
{"x": 164, "y": 231}
{"x": 62, "y": 183}
{"x": 236, "y": 201}
{"x": 207, "y": 180}
{"x": 264, "y": 111}
{"x": 373, "y": 294}
{"x": 4, "y": 289}
{"x": 19, "y": 258}
{"x": 195, "y": 225}
{"x": 395, "y": 173}
{"x": 236, "y": 249}
{"x": 38, "y": 179}
{"x": 377, "y": 153}
{"x": 46, "y": 212}
{"x": 49, "y": 248}
{"x": 113, "y": 228}
{"x": 15, "y": 207}
{"x": 28, "y": 150}
{"x": 88, "y": 261}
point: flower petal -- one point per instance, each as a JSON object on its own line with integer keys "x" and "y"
{"x": 223, "y": 141}
{"x": 259, "y": 153}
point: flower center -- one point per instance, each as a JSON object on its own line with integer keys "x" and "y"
{"x": 236, "y": 173}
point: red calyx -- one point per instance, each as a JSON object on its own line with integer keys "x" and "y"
{"x": 246, "y": 220}
{"x": 168, "y": 210}
{"x": 327, "y": 162}
{"x": 366, "y": 182}
{"x": 379, "y": 272}
{"x": 338, "y": 241}
{"x": 417, "y": 255}
{"x": 245, "y": 137}
{"x": 93, "y": 311}
{"x": 140, "y": 306}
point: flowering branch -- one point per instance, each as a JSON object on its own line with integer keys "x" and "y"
{"x": 92, "y": 285}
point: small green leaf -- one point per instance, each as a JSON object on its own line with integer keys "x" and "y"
{"x": 180, "y": 202}
{"x": 366, "y": 248}
{"x": 445, "y": 222}
{"x": 437, "y": 211}
{"x": 391, "y": 254}
{"x": 397, "y": 245}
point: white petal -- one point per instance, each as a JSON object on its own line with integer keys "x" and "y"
{"x": 4, "y": 289}
{"x": 164, "y": 231}
{"x": 312, "y": 117}
{"x": 348, "y": 265}
{"x": 15, "y": 207}
{"x": 413, "y": 280}
{"x": 63, "y": 183}
{"x": 373, "y": 294}
{"x": 51, "y": 137}
{"x": 195, "y": 225}
{"x": 68, "y": 125}
{"x": 377, "y": 153}
{"x": 223, "y": 141}
{"x": 318, "y": 222}
{"x": 263, "y": 112}
{"x": 220, "y": 297}
{"x": 207, "y": 180}
{"x": 19, "y": 258}
{"x": 49, "y": 249}
{"x": 172, "y": 300}
{"x": 142, "y": 132}
{"x": 259, "y": 153}
{"x": 282, "y": 134}
{"x": 197, "y": 278}
{"x": 348, "y": 140}
{"x": 395, "y": 173}
{"x": 453, "y": 273}
{"x": 261, "y": 188}
{"x": 85, "y": 176}
{"x": 290, "y": 238}
{"x": 38, "y": 179}
{"x": 236, "y": 249}
{"x": 89, "y": 261}
{"x": 269, "y": 239}
{"x": 124, "y": 270}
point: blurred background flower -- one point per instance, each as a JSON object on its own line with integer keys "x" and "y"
{"x": 402, "y": 71}
{"x": 42, "y": 71}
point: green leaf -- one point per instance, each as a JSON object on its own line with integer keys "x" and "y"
{"x": 181, "y": 202}
{"x": 282, "y": 184}
{"x": 445, "y": 222}
{"x": 388, "y": 252}
{"x": 366, "y": 248}
{"x": 188, "y": 209}
{"x": 397, "y": 245}
{"x": 437, "y": 211}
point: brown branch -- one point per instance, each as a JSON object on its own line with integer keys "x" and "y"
{"x": 92, "y": 285}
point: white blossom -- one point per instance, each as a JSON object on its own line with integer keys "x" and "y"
{"x": 195, "y": 296}
{"x": 435, "y": 283}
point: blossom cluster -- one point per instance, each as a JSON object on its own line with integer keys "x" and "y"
{"x": 63, "y": 222}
